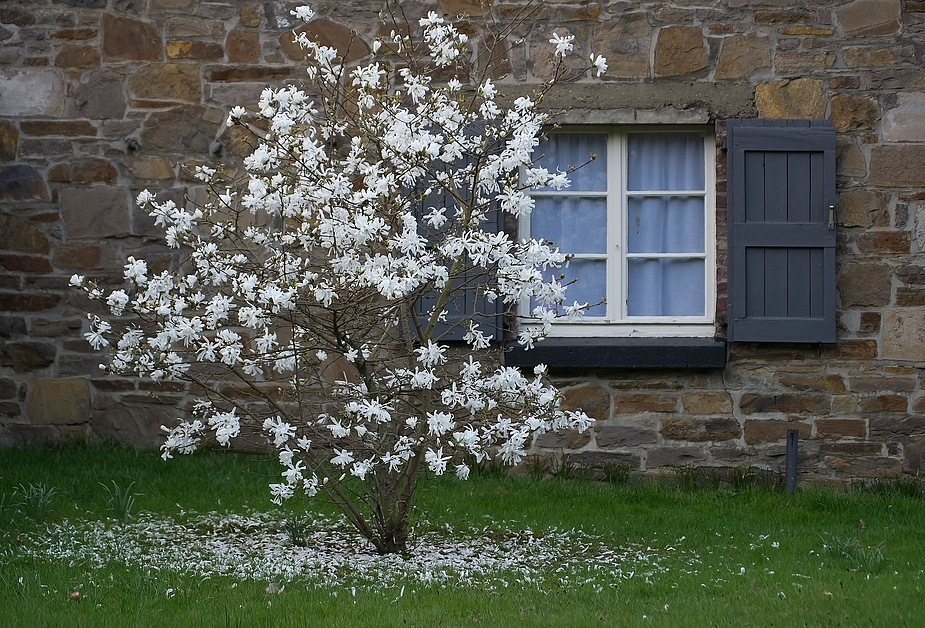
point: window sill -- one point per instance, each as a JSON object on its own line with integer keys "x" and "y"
{"x": 641, "y": 353}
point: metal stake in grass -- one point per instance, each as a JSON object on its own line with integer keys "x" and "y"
{"x": 793, "y": 437}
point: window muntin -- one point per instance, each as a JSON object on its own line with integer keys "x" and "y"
{"x": 639, "y": 219}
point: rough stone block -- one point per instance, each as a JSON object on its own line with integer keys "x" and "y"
{"x": 851, "y": 112}
{"x": 25, "y": 263}
{"x": 851, "y": 349}
{"x": 796, "y": 98}
{"x": 93, "y": 171}
{"x": 186, "y": 130}
{"x": 150, "y": 167}
{"x": 862, "y": 284}
{"x": 674, "y": 456}
{"x": 31, "y": 92}
{"x": 77, "y": 256}
{"x": 906, "y": 121}
{"x": 914, "y": 458}
{"x": 755, "y": 403}
{"x": 700, "y": 430}
{"x": 849, "y": 159}
{"x": 882, "y": 384}
{"x": 625, "y": 43}
{"x": 741, "y": 55}
{"x": 78, "y": 57}
{"x": 24, "y": 357}
{"x": 864, "y": 18}
{"x": 132, "y": 425}
{"x": 803, "y": 62}
{"x": 860, "y": 208}
{"x": 593, "y": 400}
{"x": 198, "y": 50}
{"x": 28, "y": 301}
{"x": 128, "y": 39}
{"x": 19, "y": 182}
{"x": 564, "y": 439}
{"x": 879, "y": 467}
{"x": 17, "y": 234}
{"x": 59, "y": 402}
{"x": 242, "y": 47}
{"x": 9, "y": 140}
{"x": 643, "y": 402}
{"x": 610, "y": 436}
{"x": 707, "y": 403}
{"x": 679, "y": 50}
{"x": 168, "y": 81}
{"x": 95, "y": 212}
{"x": 326, "y": 33}
{"x": 770, "y": 431}
{"x": 249, "y": 16}
{"x": 603, "y": 459}
{"x": 901, "y": 428}
{"x": 883, "y": 403}
{"x": 222, "y": 73}
{"x": 897, "y": 166}
{"x": 56, "y": 327}
{"x": 875, "y": 56}
{"x": 100, "y": 96}
{"x": 841, "y": 428}
{"x": 814, "y": 382}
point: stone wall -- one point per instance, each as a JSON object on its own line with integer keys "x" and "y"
{"x": 102, "y": 98}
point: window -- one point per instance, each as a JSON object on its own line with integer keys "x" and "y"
{"x": 639, "y": 219}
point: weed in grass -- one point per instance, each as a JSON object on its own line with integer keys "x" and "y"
{"x": 9, "y": 505}
{"x": 296, "y": 528}
{"x": 900, "y": 486}
{"x": 616, "y": 474}
{"x": 120, "y": 500}
{"x": 566, "y": 468}
{"x": 686, "y": 478}
{"x": 35, "y": 499}
{"x": 859, "y": 557}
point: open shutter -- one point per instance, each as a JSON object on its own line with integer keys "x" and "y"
{"x": 781, "y": 204}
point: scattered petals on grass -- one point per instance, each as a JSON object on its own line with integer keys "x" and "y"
{"x": 255, "y": 547}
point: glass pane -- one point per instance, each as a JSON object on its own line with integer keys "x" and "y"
{"x": 665, "y": 224}
{"x": 563, "y": 150}
{"x": 575, "y": 224}
{"x": 665, "y": 287}
{"x": 590, "y": 284}
{"x": 665, "y": 161}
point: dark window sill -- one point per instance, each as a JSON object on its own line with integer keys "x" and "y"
{"x": 641, "y": 353}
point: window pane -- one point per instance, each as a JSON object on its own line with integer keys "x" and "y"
{"x": 665, "y": 224}
{"x": 562, "y": 150}
{"x": 575, "y": 224}
{"x": 665, "y": 287}
{"x": 665, "y": 161}
{"x": 590, "y": 285}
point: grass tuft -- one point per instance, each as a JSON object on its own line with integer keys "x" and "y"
{"x": 120, "y": 500}
{"x": 852, "y": 552}
{"x": 35, "y": 499}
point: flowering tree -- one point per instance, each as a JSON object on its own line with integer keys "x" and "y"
{"x": 297, "y": 307}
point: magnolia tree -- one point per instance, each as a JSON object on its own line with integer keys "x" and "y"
{"x": 297, "y": 306}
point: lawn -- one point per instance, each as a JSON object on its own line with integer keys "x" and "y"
{"x": 201, "y": 545}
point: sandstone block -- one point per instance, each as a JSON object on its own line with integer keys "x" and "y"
{"x": 75, "y": 33}
{"x": 701, "y": 430}
{"x": 189, "y": 129}
{"x": 679, "y": 50}
{"x": 860, "y": 208}
{"x": 24, "y": 357}
{"x": 674, "y": 456}
{"x": 8, "y": 389}
{"x": 249, "y": 16}
{"x": 875, "y": 56}
{"x": 906, "y": 122}
{"x": 57, "y": 127}
{"x": 707, "y": 403}
{"x": 28, "y": 301}
{"x": 860, "y": 383}
{"x": 797, "y": 98}
{"x": 741, "y": 55}
{"x": 59, "y": 402}
{"x": 914, "y": 457}
{"x": 100, "y": 96}
{"x": 770, "y": 431}
{"x": 879, "y": 467}
{"x": 17, "y": 16}
{"x": 802, "y": 62}
{"x": 471, "y": 8}
{"x": 77, "y": 256}
{"x": 18, "y": 234}
{"x": 841, "y": 428}
{"x": 564, "y": 439}
{"x": 132, "y": 424}
{"x": 891, "y": 428}
{"x": 883, "y": 403}
{"x": 542, "y": 53}
{"x": 199, "y": 50}
{"x": 247, "y": 73}
{"x": 869, "y": 323}
{"x": 19, "y": 182}
{"x": 9, "y": 140}
{"x": 128, "y": 39}
{"x": 603, "y": 459}
{"x": 897, "y": 166}
{"x": 95, "y": 212}
{"x": 863, "y": 18}
{"x": 851, "y": 349}
{"x": 895, "y": 78}
{"x": 25, "y": 263}
{"x": 854, "y": 112}
{"x": 911, "y": 274}
{"x": 31, "y": 92}
{"x": 910, "y": 297}
{"x": 813, "y": 382}
{"x": 93, "y": 171}
{"x": 326, "y": 33}
{"x": 77, "y": 57}
{"x": 861, "y": 284}
{"x": 593, "y": 400}
{"x": 610, "y": 436}
{"x": 885, "y": 242}
{"x": 849, "y": 160}
{"x": 242, "y": 47}
{"x": 626, "y": 43}
{"x": 150, "y": 167}
{"x": 55, "y": 327}
{"x": 643, "y": 402}
{"x": 168, "y": 81}
{"x": 758, "y": 403}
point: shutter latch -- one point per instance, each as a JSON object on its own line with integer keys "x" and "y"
{"x": 831, "y": 217}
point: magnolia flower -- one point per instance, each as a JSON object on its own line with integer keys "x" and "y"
{"x": 598, "y": 63}
{"x": 563, "y": 44}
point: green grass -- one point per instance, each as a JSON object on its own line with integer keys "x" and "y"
{"x": 746, "y": 557}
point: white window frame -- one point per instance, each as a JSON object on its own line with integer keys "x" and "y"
{"x": 617, "y": 322}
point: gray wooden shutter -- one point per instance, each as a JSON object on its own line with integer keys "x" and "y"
{"x": 781, "y": 203}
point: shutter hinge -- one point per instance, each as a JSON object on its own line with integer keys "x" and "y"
{"x": 831, "y": 217}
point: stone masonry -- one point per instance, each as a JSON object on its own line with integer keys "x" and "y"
{"x": 102, "y": 98}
